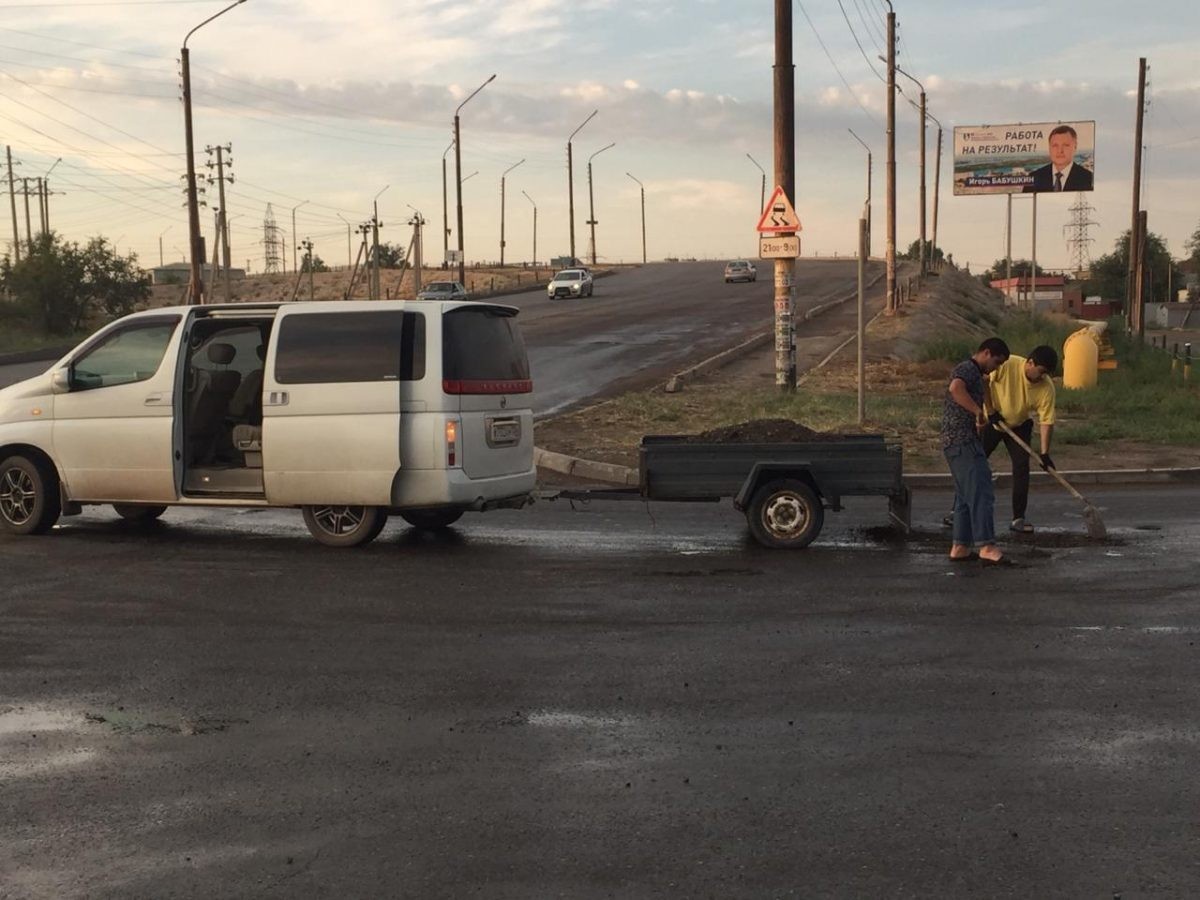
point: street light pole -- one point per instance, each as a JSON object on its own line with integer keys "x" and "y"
{"x": 160, "y": 247}
{"x": 462, "y": 263}
{"x": 196, "y": 284}
{"x": 445, "y": 211}
{"x": 591, "y": 200}
{"x": 571, "y": 182}
{"x": 295, "y": 265}
{"x": 643, "y": 190}
{"x": 937, "y": 184}
{"x": 924, "y": 120}
{"x": 535, "y": 265}
{"x": 867, "y": 211}
{"x": 502, "y": 177}
{"x": 762, "y": 191}
{"x": 376, "y": 293}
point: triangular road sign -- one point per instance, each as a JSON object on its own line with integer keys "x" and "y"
{"x": 779, "y": 215}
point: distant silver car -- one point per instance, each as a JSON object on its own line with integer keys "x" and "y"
{"x": 570, "y": 283}
{"x": 443, "y": 290}
{"x": 740, "y": 270}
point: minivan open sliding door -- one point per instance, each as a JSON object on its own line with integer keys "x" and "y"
{"x": 331, "y": 405}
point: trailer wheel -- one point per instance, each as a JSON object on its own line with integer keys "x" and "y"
{"x": 785, "y": 514}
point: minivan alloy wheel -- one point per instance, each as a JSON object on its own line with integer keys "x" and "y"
{"x": 345, "y": 526}
{"x": 18, "y": 496}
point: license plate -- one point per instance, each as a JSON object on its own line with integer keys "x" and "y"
{"x": 507, "y": 431}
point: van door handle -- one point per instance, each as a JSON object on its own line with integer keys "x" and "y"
{"x": 158, "y": 399}
{"x": 277, "y": 398}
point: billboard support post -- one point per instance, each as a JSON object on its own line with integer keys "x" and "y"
{"x": 1033, "y": 266}
{"x": 1008, "y": 243}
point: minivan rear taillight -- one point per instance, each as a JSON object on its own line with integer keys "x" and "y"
{"x": 487, "y": 386}
{"x": 451, "y": 443}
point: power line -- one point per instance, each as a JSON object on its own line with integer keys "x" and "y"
{"x": 829, "y": 56}
{"x": 859, "y": 43}
{"x": 872, "y": 27}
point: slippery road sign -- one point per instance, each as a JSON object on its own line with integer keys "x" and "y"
{"x": 779, "y": 215}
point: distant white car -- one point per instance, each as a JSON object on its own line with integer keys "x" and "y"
{"x": 570, "y": 283}
{"x": 740, "y": 270}
{"x": 443, "y": 290}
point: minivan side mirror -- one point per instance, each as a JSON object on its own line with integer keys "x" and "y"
{"x": 60, "y": 381}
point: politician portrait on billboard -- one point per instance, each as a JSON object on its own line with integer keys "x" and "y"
{"x": 1034, "y": 158}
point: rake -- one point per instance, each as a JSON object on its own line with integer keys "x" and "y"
{"x": 1091, "y": 516}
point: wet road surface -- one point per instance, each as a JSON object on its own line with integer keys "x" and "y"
{"x": 609, "y": 700}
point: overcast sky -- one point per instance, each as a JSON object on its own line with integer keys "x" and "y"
{"x": 331, "y": 102}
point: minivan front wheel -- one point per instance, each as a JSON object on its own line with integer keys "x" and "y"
{"x": 344, "y": 526}
{"x": 29, "y": 501}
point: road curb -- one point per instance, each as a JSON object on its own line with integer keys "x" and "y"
{"x": 584, "y": 468}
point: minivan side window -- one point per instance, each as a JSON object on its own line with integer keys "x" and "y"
{"x": 337, "y": 348}
{"x": 124, "y": 356}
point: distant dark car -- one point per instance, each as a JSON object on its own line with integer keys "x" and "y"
{"x": 443, "y": 290}
{"x": 740, "y": 270}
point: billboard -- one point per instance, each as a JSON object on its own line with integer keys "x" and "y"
{"x": 1028, "y": 158}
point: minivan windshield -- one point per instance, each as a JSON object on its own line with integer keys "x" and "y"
{"x": 483, "y": 352}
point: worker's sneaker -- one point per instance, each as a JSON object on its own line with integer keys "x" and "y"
{"x": 1021, "y": 526}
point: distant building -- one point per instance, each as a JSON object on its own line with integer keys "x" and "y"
{"x": 1094, "y": 309}
{"x": 1050, "y": 294}
{"x": 180, "y": 272}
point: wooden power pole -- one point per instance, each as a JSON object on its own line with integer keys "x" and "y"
{"x": 785, "y": 177}
{"x": 1131, "y": 303}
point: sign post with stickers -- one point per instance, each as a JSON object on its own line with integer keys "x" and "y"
{"x": 778, "y": 239}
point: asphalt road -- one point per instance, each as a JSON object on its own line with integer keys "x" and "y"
{"x": 610, "y": 701}
{"x": 641, "y": 324}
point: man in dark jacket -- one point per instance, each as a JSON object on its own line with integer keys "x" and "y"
{"x": 1062, "y": 174}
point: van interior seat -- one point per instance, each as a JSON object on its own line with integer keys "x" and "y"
{"x": 209, "y": 403}
{"x": 246, "y": 405}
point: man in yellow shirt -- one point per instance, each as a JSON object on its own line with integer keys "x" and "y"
{"x": 1019, "y": 389}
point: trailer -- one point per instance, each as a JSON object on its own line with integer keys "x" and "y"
{"x": 782, "y": 488}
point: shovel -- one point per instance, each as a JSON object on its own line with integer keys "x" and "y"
{"x": 1091, "y": 516}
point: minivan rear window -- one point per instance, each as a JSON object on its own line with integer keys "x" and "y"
{"x": 336, "y": 348}
{"x": 483, "y": 352}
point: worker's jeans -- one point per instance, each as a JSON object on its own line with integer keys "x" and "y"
{"x": 974, "y": 499}
{"x": 1020, "y": 461}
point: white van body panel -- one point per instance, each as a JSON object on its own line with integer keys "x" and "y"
{"x": 329, "y": 443}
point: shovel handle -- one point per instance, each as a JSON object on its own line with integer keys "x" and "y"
{"x": 1003, "y": 426}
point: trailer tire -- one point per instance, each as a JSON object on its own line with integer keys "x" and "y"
{"x": 785, "y": 514}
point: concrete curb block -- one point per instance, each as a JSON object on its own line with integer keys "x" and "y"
{"x": 585, "y": 468}
{"x": 1080, "y": 476}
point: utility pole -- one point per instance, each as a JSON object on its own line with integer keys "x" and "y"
{"x": 785, "y": 177}
{"x": 28, "y": 228}
{"x": 891, "y": 161}
{"x": 462, "y": 260}
{"x": 349, "y": 247}
{"x": 12, "y": 200}
{"x": 160, "y": 247}
{"x": 196, "y": 243}
{"x": 571, "y": 182}
{"x": 591, "y": 202}
{"x": 502, "y": 177}
{"x": 41, "y": 196}
{"x": 1134, "y": 244}
{"x": 222, "y": 217}
{"x": 1140, "y": 278}
{"x": 535, "y": 265}
{"x": 445, "y": 212}
{"x": 417, "y": 222}
{"x": 643, "y": 190}
{"x": 295, "y": 265}
{"x": 869, "y": 174}
{"x": 864, "y": 251}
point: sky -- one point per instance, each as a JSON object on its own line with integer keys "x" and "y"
{"x": 327, "y": 105}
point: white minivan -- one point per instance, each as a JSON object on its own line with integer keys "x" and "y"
{"x": 350, "y": 411}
